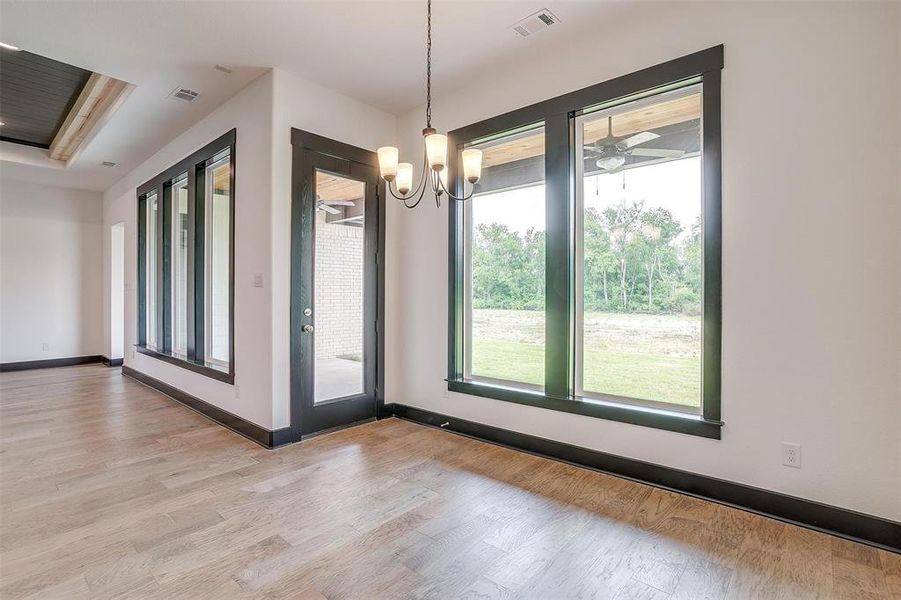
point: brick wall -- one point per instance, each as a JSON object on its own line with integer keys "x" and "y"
{"x": 339, "y": 289}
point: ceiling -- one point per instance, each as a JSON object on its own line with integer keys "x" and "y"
{"x": 372, "y": 51}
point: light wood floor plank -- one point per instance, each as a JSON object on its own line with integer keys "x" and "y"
{"x": 111, "y": 490}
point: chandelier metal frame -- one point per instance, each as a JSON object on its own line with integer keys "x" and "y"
{"x": 434, "y": 159}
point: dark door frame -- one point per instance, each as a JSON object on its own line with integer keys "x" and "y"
{"x": 304, "y": 142}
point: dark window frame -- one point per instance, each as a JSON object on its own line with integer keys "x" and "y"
{"x": 194, "y": 165}
{"x": 558, "y": 115}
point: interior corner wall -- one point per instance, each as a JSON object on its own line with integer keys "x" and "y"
{"x": 304, "y": 105}
{"x": 811, "y": 255}
{"x": 263, "y": 114}
{"x": 250, "y": 113}
{"x": 50, "y": 272}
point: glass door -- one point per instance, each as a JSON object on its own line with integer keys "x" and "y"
{"x": 335, "y": 301}
{"x": 338, "y": 286}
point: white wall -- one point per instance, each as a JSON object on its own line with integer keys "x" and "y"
{"x": 50, "y": 272}
{"x": 250, "y": 112}
{"x": 812, "y": 262}
{"x": 263, "y": 114}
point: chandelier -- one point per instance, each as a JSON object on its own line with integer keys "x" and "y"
{"x": 434, "y": 164}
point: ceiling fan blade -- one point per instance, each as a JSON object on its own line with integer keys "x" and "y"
{"x": 611, "y": 163}
{"x": 328, "y": 209}
{"x": 657, "y": 152}
{"x": 638, "y": 138}
{"x": 339, "y": 202}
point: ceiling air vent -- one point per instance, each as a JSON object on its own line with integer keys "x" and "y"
{"x": 535, "y": 23}
{"x": 223, "y": 69}
{"x": 184, "y": 94}
{"x": 108, "y": 163}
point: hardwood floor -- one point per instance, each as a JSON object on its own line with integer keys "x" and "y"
{"x": 111, "y": 490}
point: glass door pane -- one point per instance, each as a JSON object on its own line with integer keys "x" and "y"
{"x": 338, "y": 289}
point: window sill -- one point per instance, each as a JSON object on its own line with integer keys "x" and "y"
{"x": 203, "y": 369}
{"x": 623, "y": 413}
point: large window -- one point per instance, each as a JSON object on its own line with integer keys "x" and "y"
{"x": 179, "y": 243}
{"x": 217, "y": 263}
{"x": 151, "y": 215}
{"x": 186, "y": 262}
{"x": 505, "y": 263}
{"x": 585, "y": 270}
{"x": 639, "y": 266}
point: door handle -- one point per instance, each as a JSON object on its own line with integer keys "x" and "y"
{"x": 307, "y": 328}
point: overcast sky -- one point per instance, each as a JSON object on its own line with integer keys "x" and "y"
{"x": 673, "y": 185}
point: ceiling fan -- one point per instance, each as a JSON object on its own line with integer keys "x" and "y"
{"x": 611, "y": 151}
{"x": 329, "y": 205}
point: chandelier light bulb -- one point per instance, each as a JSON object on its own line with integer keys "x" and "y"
{"x": 472, "y": 164}
{"x": 404, "y": 178}
{"x": 388, "y": 162}
{"x": 436, "y": 150}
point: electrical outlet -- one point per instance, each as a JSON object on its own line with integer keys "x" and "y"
{"x": 791, "y": 455}
{"x": 45, "y": 347}
{"x": 257, "y": 280}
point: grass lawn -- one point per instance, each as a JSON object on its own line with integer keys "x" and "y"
{"x": 653, "y": 357}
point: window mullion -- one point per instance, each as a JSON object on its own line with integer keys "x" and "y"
{"x": 712, "y": 207}
{"x": 231, "y": 260}
{"x": 455, "y": 288}
{"x": 558, "y": 257}
{"x": 142, "y": 270}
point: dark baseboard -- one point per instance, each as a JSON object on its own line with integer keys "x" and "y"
{"x": 859, "y": 527}
{"x": 111, "y": 362}
{"x": 49, "y": 363}
{"x": 252, "y": 431}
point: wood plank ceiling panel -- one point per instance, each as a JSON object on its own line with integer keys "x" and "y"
{"x": 36, "y": 94}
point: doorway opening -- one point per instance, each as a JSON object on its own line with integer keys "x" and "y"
{"x": 117, "y": 293}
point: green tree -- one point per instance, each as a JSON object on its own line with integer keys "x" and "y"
{"x": 655, "y": 240}
{"x": 507, "y": 268}
{"x": 622, "y": 223}
{"x": 692, "y": 260}
{"x": 632, "y": 260}
{"x": 599, "y": 262}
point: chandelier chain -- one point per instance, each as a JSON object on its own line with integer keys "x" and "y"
{"x": 431, "y": 173}
{"x": 428, "y": 69}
